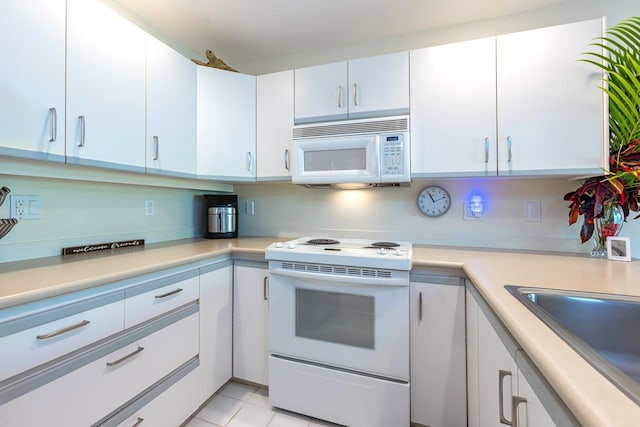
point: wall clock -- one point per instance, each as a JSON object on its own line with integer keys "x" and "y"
{"x": 434, "y": 201}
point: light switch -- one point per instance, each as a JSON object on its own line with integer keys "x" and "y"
{"x": 534, "y": 211}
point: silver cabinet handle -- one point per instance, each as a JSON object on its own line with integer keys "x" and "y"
{"x": 286, "y": 159}
{"x": 122, "y": 359}
{"x": 501, "y": 375}
{"x": 265, "y": 288}
{"x": 53, "y": 124}
{"x": 83, "y": 125}
{"x": 139, "y": 421}
{"x": 339, "y": 96}
{"x": 486, "y": 150}
{"x": 515, "y": 402}
{"x": 156, "y": 148}
{"x": 168, "y": 294}
{"x": 509, "y": 143}
{"x": 420, "y": 306}
{"x": 249, "y": 161}
{"x": 355, "y": 95}
{"x": 63, "y": 330}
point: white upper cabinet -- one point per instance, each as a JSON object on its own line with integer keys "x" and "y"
{"x": 453, "y": 109}
{"x": 551, "y": 115}
{"x": 367, "y": 87}
{"x": 321, "y": 93}
{"x": 379, "y": 86}
{"x": 105, "y": 88}
{"x": 226, "y": 147}
{"x": 274, "y": 123}
{"x": 32, "y": 88}
{"x": 171, "y": 111}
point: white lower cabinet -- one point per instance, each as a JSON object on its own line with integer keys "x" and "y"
{"x": 171, "y": 408}
{"x": 87, "y": 394}
{"x": 251, "y": 323}
{"x": 37, "y": 345}
{"x": 216, "y": 307}
{"x": 503, "y": 379}
{"x": 438, "y": 376}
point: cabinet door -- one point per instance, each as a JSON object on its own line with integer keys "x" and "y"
{"x": 438, "y": 375}
{"x": 215, "y": 330}
{"x": 550, "y": 112}
{"x": 250, "y": 324}
{"x": 226, "y": 125}
{"x": 32, "y": 42}
{"x": 321, "y": 93}
{"x": 171, "y": 111}
{"x": 105, "y": 88}
{"x": 379, "y": 86}
{"x": 274, "y": 124}
{"x": 497, "y": 373}
{"x": 530, "y": 413}
{"x": 453, "y": 110}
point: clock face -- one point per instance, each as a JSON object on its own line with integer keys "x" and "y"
{"x": 434, "y": 201}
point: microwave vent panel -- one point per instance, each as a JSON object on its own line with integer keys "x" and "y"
{"x": 354, "y": 128}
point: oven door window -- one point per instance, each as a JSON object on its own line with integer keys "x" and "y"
{"x": 336, "y": 317}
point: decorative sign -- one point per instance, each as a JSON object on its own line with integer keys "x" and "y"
{"x": 101, "y": 247}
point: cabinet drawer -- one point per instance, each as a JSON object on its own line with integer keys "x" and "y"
{"x": 171, "y": 407}
{"x": 150, "y": 304}
{"x": 34, "y": 346}
{"x": 91, "y": 392}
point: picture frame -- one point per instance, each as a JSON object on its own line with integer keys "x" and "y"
{"x": 619, "y": 248}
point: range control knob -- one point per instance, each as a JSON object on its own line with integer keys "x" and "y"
{"x": 279, "y": 244}
{"x": 292, "y": 245}
{"x": 382, "y": 251}
{"x": 398, "y": 252}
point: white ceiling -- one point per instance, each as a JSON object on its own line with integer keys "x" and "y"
{"x": 242, "y": 31}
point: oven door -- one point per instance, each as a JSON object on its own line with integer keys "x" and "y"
{"x": 347, "y": 324}
{"x": 336, "y": 160}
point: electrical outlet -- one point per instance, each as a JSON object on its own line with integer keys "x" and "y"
{"x": 149, "y": 207}
{"x": 249, "y": 207}
{"x": 533, "y": 211}
{"x": 26, "y": 207}
{"x": 468, "y": 214}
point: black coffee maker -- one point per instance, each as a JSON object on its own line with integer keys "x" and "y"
{"x": 222, "y": 216}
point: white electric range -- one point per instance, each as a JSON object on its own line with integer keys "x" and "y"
{"x": 339, "y": 330}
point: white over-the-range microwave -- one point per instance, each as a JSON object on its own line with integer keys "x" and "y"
{"x": 352, "y": 153}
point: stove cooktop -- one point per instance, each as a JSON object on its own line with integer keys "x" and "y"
{"x": 348, "y": 252}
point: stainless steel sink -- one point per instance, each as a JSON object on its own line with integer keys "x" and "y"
{"x": 602, "y": 328}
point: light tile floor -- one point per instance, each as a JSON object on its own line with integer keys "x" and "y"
{"x": 241, "y": 405}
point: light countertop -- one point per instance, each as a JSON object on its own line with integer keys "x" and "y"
{"x": 593, "y": 400}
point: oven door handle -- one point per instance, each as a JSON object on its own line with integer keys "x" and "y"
{"x": 346, "y": 280}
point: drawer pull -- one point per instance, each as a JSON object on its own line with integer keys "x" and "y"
{"x": 168, "y": 294}
{"x": 138, "y": 422}
{"x": 501, "y": 376}
{"x": 122, "y": 359}
{"x": 63, "y": 330}
{"x": 515, "y": 402}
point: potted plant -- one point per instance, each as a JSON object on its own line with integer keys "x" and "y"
{"x": 605, "y": 201}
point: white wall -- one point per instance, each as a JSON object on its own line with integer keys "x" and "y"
{"x": 286, "y": 210}
{"x": 82, "y": 212}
